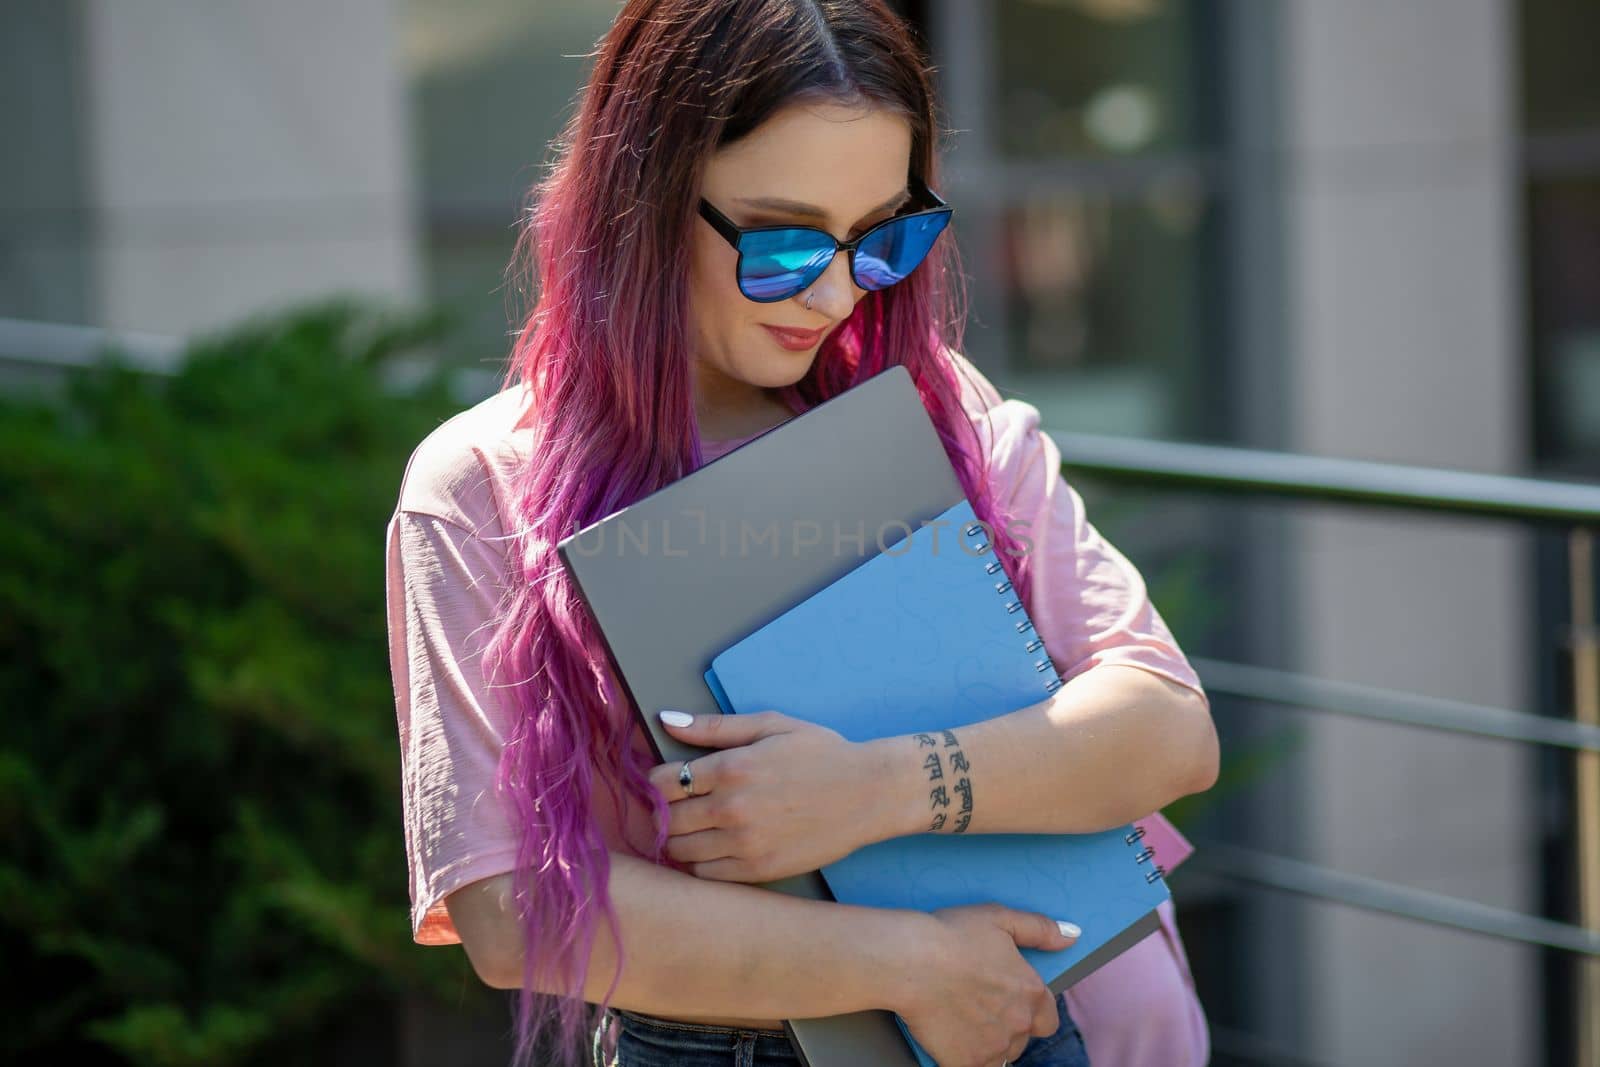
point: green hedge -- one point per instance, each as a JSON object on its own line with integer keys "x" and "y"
{"x": 201, "y": 857}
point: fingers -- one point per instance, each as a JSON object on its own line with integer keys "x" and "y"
{"x": 664, "y": 776}
{"x": 1030, "y": 929}
{"x": 724, "y": 731}
{"x": 701, "y": 846}
{"x": 1046, "y": 1019}
{"x": 727, "y": 870}
{"x": 695, "y": 814}
{"x": 714, "y": 732}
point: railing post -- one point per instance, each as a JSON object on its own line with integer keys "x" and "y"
{"x": 1586, "y": 709}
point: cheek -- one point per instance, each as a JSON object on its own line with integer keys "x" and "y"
{"x": 716, "y": 306}
{"x": 713, "y": 273}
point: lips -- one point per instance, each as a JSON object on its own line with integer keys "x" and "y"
{"x": 794, "y": 339}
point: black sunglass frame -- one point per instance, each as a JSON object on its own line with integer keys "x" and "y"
{"x": 924, "y": 201}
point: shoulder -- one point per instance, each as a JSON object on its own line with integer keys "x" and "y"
{"x": 1007, "y": 427}
{"x": 978, "y": 393}
{"x": 463, "y": 470}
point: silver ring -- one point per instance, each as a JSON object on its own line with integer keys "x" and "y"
{"x": 808, "y": 308}
{"x": 686, "y": 779}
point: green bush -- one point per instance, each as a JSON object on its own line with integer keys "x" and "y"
{"x": 201, "y": 859}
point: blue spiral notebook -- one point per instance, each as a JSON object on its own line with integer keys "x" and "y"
{"x": 928, "y": 635}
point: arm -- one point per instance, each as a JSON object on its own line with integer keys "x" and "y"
{"x": 1109, "y": 746}
{"x": 1112, "y": 745}
{"x": 711, "y": 948}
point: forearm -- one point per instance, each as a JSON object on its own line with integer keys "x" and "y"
{"x": 708, "y": 948}
{"x": 1112, "y": 745}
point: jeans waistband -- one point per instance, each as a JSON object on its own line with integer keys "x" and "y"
{"x": 704, "y": 1037}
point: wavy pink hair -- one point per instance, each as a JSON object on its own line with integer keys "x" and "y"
{"x": 605, "y": 352}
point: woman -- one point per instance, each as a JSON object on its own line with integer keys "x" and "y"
{"x": 662, "y": 337}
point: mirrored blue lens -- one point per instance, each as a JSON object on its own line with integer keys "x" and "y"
{"x": 891, "y": 253}
{"x": 774, "y": 264}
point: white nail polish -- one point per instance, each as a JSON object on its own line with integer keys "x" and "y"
{"x": 676, "y": 718}
{"x": 1068, "y": 929}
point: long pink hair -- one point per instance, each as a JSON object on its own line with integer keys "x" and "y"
{"x": 605, "y": 353}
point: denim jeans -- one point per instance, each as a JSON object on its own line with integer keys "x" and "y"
{"x": 646, "y": 1041}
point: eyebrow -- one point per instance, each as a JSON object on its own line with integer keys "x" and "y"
{"x": 811, "y": 211}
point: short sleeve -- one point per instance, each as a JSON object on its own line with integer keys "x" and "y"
{"x": 443, "y": 587}
{"x": 1089, "y": 603}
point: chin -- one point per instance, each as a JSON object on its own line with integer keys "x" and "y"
{"x": 777, "y": 370}
{"x": 780, "y": 375}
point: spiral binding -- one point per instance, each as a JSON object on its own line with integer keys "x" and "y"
{"x": 1025, "y": 624}
{"x": 1156, "y": 871}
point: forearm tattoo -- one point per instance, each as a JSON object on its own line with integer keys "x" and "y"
{"x": 951, "y": 754}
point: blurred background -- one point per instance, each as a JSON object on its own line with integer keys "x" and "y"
{"x": 1358, "y": 231}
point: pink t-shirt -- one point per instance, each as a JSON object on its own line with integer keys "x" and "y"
{"x": 446, "y": 567}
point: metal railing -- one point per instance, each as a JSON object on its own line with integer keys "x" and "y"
{"x": 1570, "y": 505}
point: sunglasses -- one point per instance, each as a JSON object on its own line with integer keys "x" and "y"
{"x": 776, "y": 262}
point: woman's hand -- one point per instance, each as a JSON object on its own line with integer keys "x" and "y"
{"x": 782, "y": 796}
{"x": 971, "y": 999}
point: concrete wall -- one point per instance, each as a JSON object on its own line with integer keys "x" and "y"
{"x": 241, "y": 156}
{"x": 1404, "y": 341}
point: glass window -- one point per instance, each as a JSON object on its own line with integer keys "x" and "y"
{"x": 1099, "y": 222}
{"x": 1561, "y": 124}
{"x": 1564, "y": 312}
{"x": 1107, "y": 314}
{"x": 1560, "y": 89}
{"x": 1097, "y": 77}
